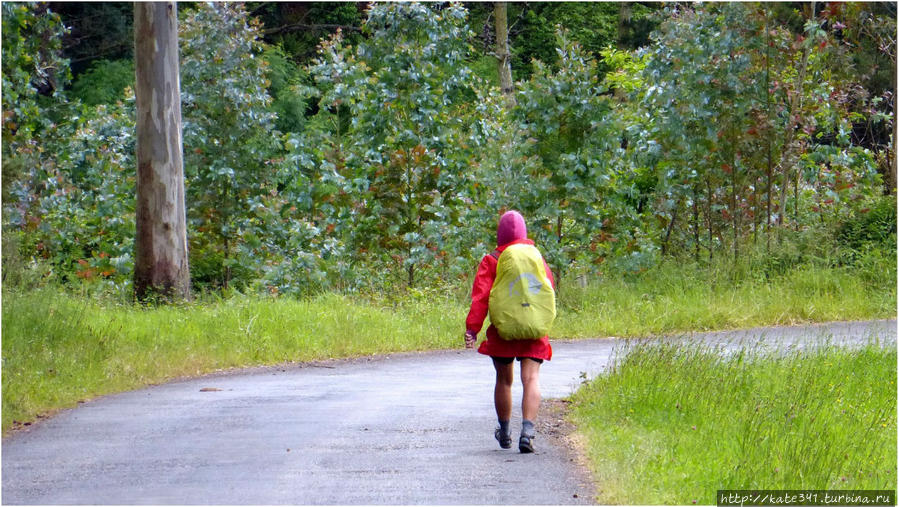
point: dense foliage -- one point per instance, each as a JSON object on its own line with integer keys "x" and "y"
{"x": 381, "y": 157}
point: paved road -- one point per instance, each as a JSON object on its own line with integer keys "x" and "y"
{"x": 406, "y": 429}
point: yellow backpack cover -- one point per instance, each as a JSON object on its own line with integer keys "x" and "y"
{"x": 522, "y": 303}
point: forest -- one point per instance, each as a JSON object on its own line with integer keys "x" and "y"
{"x": 371, "y": 147}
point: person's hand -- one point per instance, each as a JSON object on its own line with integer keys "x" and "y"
{"x": 470, "y": 339}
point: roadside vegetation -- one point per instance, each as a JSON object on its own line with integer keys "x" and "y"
{"x": 675, "y": 297}
{"x": 63, "y": 345}
{"x": 672, "y": 424}
{"x": 60, "y": 348}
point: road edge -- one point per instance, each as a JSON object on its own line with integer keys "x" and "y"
{"x": 559, "y": 431}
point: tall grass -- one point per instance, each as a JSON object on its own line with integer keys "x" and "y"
{"x": 673, "y": 424}
{"x": 683, "y": 297}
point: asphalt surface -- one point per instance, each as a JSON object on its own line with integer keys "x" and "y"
{"x": 402, "y": 429}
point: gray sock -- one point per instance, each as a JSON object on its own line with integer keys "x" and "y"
{"x": 504, "y": 427}
{"x": 527, "y": 427}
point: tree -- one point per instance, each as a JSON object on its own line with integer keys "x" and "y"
{"x": 750, "y": 121}
{"x": 398, "y": 105}
{"x": 594, "y": 25}
{"x": 503, "y": 56}
{"x": 160, "y": 259}
{"x": 231, "y": 144}
{"x": 572, "y": 201}
{"x": 33, "y": 76}
{"x": 868, "y": 31}
{"x": 97, "y": 31}
{"x": 702, "y": 93}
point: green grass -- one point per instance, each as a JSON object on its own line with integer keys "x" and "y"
{"x": 59, "y": 348}
{"x": 673, "y": 424}
{"x": 674, "y": 298}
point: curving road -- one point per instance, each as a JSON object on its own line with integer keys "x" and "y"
{"x": 403, "y": 429}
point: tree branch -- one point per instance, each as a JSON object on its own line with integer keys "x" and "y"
{"x": 519, "y": 18}
{"x": 262, "y": 5}
{"x": 101, "y": 53}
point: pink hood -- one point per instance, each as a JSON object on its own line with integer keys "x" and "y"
{"x": 511, "y": 227}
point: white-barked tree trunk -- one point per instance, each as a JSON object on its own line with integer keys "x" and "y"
{"x": 160, "y": 259}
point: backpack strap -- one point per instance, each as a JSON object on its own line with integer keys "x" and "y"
{"x": 495, "y": 254}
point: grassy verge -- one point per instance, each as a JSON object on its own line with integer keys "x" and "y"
{"x": 675, "y": 298}
{"x": 672, "y": 425}
{"x": 60, "y": 348}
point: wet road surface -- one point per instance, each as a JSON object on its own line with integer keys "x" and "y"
{"x": 402, "y": 429}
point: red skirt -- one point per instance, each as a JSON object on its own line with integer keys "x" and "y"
{"x": 495, "y": 346}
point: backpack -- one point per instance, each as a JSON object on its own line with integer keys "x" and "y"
{"x": 522, "y": 303}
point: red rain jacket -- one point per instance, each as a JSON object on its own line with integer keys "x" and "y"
{"x": 480, "y": 298}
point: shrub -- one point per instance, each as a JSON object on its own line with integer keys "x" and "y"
{"x": 104, "y": 82}
{"x": 871, "y": 227}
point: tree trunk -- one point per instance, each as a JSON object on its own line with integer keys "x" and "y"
{"x": 890, "y": 184}
{"x": 732, "y": 161}
{"x": 160, "y": 250}
{"x": 769, "y": 133}
{"x": 755, "y": 214}
{"x": 795, "y": 106}
{"x": 559, "y": 228}
{"x": 796, "y": 201}
{"x": 503, "y": 55}
{"x": 696, "y": 239}
{"x": 708, "y": 204}
{"x": 624, "y": 17}
{"x": 669, "y": 229}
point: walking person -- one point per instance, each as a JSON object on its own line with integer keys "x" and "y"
{"x": 515, "y": 286}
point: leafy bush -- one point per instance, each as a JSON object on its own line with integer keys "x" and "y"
{"x": 871, "y": 227}
{"x": 230, "y": 142}
{"x": 290, "y": 87}
{"x": 33, "y": 76}
{"x": 75, "y": 201}
{"x": 104, "y": 82}
{"x": 33, "y": 69}
{"x": 78, "y": 208}
{"x": 387, "y": 155}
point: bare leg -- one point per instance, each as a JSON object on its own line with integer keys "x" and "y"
{"x": 502, "y": 393}
{"x": 530, "y": 379}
